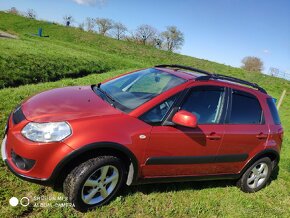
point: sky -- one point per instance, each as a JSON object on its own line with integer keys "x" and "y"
{"x": 223, "y": 31}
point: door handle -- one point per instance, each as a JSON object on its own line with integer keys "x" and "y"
{"x": 213, "y": 136}
{"x": 261, "y": 136}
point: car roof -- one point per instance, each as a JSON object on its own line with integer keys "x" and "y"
{"x": 190, "y": 73}
{"x": 180, "y": 73}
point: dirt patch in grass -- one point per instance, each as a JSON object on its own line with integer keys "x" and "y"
{"x": 7, "y": 35}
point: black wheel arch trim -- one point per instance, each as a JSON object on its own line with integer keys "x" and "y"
{"x": 261, "y": 154}
{"x": 90, "y": 147}
{"x": 77, "y": 153}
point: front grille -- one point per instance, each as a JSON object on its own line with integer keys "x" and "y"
{"x": 18, "y": 115}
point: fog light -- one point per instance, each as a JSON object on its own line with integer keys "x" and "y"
{"x": 21, "y": 162}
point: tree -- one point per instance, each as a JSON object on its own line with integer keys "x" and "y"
{"x": 145, "y": 33}
{"x": 158, "y": 41}
{"x": 119, "y": 30}
{"x": 173, "y": 38}
{"x": 81, "y": 26}
{"x": 13, "y": 10}
{"x": 68, "y": 20}
{"x": 251, "y": 63}
{"x": 104, "y": 25}
{"x": 31, "y": 13}
{"x": 274, "y": 71}
{"x": 90, "y": 24}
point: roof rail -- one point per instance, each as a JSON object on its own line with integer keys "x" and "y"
{"x": 232, "y": 79}
{"x": 214, "y": 76}
{"x": 184, "y": 67}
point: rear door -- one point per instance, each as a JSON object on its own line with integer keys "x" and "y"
{"x": 245, "y": 131}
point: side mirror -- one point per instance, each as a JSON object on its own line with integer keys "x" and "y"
{"x": 185, "y": 118}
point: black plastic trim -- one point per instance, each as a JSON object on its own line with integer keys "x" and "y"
{"x": 183, "y": 67}
{"x": 21, "y": 162}
{"x": 63, "y": 163}
{"x": 188, "y": 178}
{"x": 90, "y": 147}
{"x": 177, "y": 97}
{"x": 7, "y": 125}
{"x": 46, "y": 182}
{"x": 18, "y": 115}
{"x": 231, "y": 79}
{"x": 261, "y": 154}
{"x": 196, "y": 159}
{"x": 209, "y": 76}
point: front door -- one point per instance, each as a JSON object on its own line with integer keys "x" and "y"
{"x": 182, "y": 151}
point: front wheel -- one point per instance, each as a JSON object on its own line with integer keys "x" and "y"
{"x": 94, "y": 182}
{"x": 256, "y": 176}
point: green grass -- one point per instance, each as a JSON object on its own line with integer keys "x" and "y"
{"x": 192, "y": 199}
{"x": 205, "y": 199}
{"x": 70, "y": 52}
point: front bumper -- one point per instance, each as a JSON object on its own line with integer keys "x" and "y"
{"x": 46, "y": 155}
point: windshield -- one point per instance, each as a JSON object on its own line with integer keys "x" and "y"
{"x": 132, "y": 90}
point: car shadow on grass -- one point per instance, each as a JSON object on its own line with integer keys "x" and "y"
{"x": 181, "y": 186}
{"x": 177, "y": 186}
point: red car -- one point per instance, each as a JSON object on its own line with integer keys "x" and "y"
{"x": 166, "y": 123}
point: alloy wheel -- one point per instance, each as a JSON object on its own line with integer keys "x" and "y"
{"x": 258, "y": 175}
{"x": 100, "y": 184}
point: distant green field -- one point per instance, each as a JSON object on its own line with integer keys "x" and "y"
{"x": 70, "y": 51}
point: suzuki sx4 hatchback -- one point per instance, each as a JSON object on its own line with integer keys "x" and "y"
{"x": 166, "y": 123}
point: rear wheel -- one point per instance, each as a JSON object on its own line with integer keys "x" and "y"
{"x": 257, "y": 176}
{"x": 94, "y": 182}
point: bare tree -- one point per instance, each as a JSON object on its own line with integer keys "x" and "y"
{"x": 252, "y": 63}
{"x": 158, "y": 41}
{"x": 13, "y": 10}
{"x": 81, "y": 26}
{"x": 68, "y": 20}
{"x": 31, "y": 13}
{"x": 173, "y": 38}
{"x": 90, "y": 24}
{"x": 119, "y": 30}
{"x": 274, "y": 71}
{"x": 104, "y": 25}
{"x": 145, "y": 33}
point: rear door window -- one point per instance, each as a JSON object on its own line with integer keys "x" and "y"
{"x": 246, "y": 109}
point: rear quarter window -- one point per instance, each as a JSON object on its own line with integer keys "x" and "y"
{"x": 273, "y": 110}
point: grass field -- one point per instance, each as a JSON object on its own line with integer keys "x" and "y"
{"x": 70, "y": 52}
{"x": 192, "y": 199}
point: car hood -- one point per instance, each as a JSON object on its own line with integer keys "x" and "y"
{"x": 66, "y": 104}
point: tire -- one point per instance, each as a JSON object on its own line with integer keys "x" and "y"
{"x": 256, "y": 176}
{"x": 94, "y": 182}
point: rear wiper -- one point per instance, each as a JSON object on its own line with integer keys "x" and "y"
{"x": 109, "y": 97}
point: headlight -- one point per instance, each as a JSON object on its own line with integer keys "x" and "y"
{"x": 46, "y": 132}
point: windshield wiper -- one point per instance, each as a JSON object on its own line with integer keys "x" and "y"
{"x": 109, "y": 97}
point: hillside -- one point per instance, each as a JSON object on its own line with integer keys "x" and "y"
{"x": 69, "y": 52}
